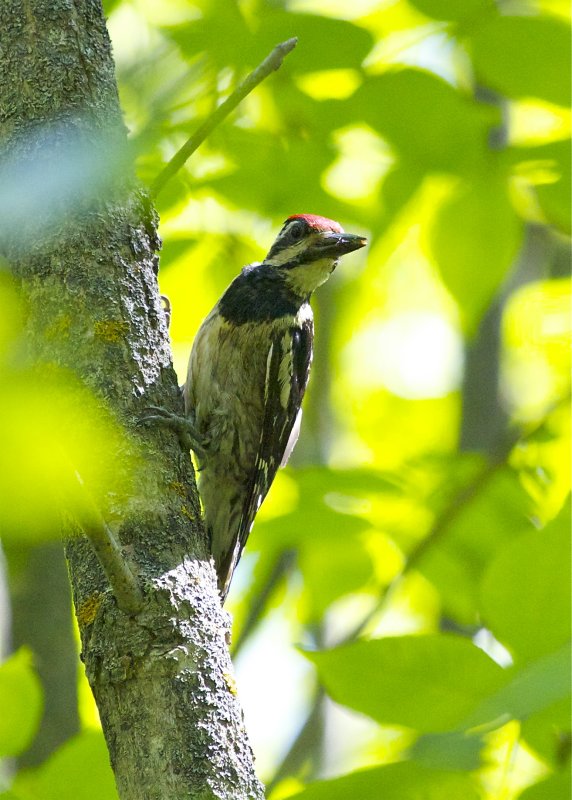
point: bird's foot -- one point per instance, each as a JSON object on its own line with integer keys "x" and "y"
{"x": 189, "y": 438}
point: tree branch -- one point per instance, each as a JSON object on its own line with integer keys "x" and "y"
{"x": 303, "y": 746}
{"x": 281, "y": 566}
{"x": 462, "y": 498}
{"x": 122, "y": 580}
{"x": 459, "y": 502}
{"x": 271, "y": 63}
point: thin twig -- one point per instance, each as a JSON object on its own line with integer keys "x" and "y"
{"x": 301, "y": 749}
{"x": 270, "y": 64}
{"x": 108, "y": 550}
{"x": 458, "y": 503}
{"x": 257, "y": 605}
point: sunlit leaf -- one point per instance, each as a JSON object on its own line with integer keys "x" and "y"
{"x": 397, "y": 189}
{"x": 21, "y": 703}
{"x": 297, "y": 161}
{"x": 315, "y": 519}
{"x": 326, "y": 531}
{"x": 315, "y": 37}
{"x": 546, "y": 168}
{"x": 482, "y": 522}
{"x": 527, "y": 56}
{"x": 455, "y": 12}
{"x": 330, "y": 572}
{"x": 54, "y": 451}
{"x": 425, "y": 119}
{"x": 527, "y": 690}
{"x": 357, "y": 482}
{"x": 525, "y": 593}
{"x": 557, "y": 787}
{"x": 109, "y": 5}
{"x": 457, "y": 750}
{"x": 474, "y": 240}
{"x": 404, "y": 781}
{"x": 222, "y": 33}
{"x": 78, "y": 770}
{"x": 547, "y": 731}
{"x": 430, "y": 683}
{"x": 228, "y": 40}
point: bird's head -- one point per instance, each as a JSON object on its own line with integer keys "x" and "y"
{"x": 307, "y": 250}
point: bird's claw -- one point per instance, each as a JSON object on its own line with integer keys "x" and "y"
{"x": 182, "y": 426}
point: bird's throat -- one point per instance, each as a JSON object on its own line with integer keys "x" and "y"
{"x": 304, "y": 278}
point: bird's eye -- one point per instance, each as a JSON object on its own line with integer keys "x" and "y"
{"x": 296, "y": 231}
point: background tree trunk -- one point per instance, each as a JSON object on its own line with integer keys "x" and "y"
{"x": 82, "y": 242}
{"x": 42, "y": 621}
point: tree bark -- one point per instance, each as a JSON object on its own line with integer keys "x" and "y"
{"x": 81, "y": 240}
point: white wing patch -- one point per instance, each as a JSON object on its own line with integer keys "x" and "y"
{"x": 267, "y": 379}
{"x": 292, "y": 439}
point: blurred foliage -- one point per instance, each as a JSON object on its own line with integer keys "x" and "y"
{"x": 79, "y": 770}
{"x": 428, "y": 586}
{"x": 21, "y": 703}
{"x": 58, "y": 453}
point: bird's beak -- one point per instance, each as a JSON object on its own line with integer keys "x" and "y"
{"x": 333, "y": 245}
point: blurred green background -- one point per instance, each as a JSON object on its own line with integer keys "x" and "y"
{"x": 401, "y": 623}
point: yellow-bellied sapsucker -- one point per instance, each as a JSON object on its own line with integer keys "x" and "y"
{"x": 247, "y": 375}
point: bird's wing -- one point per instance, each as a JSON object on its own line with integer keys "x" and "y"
{"x": 287, "y": 371}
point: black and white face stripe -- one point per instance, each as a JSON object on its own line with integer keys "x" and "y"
{"x": 303, "y": 241}
{"x": 290, "y": 243}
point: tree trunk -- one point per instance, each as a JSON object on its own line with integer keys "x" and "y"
{"x": 81, "y": 240}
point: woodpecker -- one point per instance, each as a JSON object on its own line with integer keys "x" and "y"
{"x": 247, "y": 375}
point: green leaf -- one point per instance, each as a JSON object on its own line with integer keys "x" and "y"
{"x": 497, "y": 513}
{"x": 331, "y": 572}
{"x": 109, "y": 6}
{"x": 430, "y": 683}
{"x": 21, "y": 703}
{"x": 253, "y": 185}
{"x": 331, "y": 554}
{"x": 425, "y": 119}
{"x": 79, "y": 770}
{"x": 525, "y": 597}
{"x": 532, "y": 688}
{"x": 326, "y": 530}
{"x": 547, "y": 730}
{"x": 457, "y": 751}
{"x": 323, "y": 42}
{"x": 554, "y": 196}
{"x": 397, "y": 189}
{"x": 474, "y": 240}
{"x": 403, "y": 781}
{"x": 356, "y": 481}
{"x": 526, "y": 56}
{"x": 547, "y": 168}
{"x": 453, "y": 12}
{"x": 557, "y": 787}
{"x": 72, "y": 435}
{"x": 220, "y": 31}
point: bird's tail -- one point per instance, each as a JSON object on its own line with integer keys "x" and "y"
{"x": 223, "y": 510}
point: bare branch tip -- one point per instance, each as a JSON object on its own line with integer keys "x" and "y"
{"x": 281, "y": 50}
{"x": 289, "y": 44}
